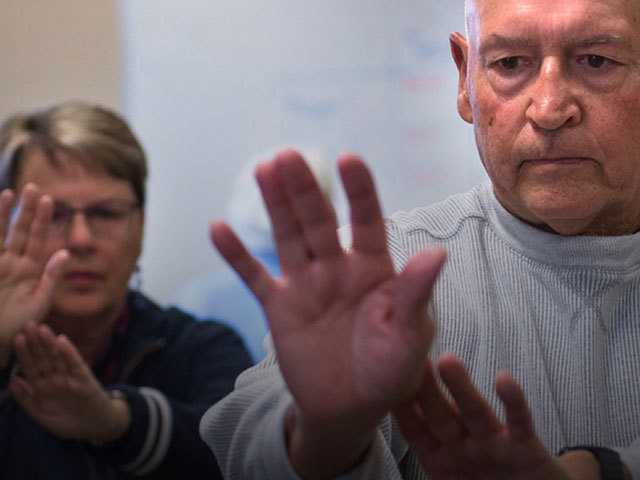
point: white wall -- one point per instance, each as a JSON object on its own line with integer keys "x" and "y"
{"x": 60, "y": 50}
{"x": 209, "y": 84}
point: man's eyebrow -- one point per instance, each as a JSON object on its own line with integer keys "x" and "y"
{"x": 604, "y": 39}
{"x": 496, "y": 41}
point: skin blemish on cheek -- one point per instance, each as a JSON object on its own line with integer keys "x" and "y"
{"x": 492, "y": 120}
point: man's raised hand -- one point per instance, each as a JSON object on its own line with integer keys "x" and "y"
{"x": 351, "y": 335}
{"x": 461, "y": 437}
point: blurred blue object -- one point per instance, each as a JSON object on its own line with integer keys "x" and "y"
{"x": 220, "y": 294}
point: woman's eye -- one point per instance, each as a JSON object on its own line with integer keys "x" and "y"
{"x": 105, "y": 213}
{"x": 59, "y": 216}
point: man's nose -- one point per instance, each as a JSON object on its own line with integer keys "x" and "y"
{"x": 552, "y": 103}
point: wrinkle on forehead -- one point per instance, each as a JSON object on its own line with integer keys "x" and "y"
{"x": 560, "y": 16}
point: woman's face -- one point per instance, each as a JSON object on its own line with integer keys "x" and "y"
{"x": 98, "y": 220}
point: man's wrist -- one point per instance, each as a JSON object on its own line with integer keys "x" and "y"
{"x": 580, "y": 465}
{"x": 589, "y": 462}
{"x": 318, "y": 453}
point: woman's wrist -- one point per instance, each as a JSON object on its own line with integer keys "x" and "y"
{"x": 5, "y": 355}
{"x": 116, "y": 420}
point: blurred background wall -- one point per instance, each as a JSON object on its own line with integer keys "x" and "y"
{"x": 58, "y": 50}
{"x": 208, "y": 84}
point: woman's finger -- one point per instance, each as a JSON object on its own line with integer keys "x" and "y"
{"x": 19, "y": 230}
{"x": 36, "y": 242}
{"x": 6, "y": 206}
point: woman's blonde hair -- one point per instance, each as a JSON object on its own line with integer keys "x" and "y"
{"x": 96, "y": 137}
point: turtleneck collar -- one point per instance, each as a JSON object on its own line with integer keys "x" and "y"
{"x": 610, "y": 252}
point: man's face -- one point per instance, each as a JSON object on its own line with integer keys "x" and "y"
{"x": 553, "y": 90}
{"x": 104, "y": 241}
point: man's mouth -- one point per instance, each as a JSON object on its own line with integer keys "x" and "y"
{"x": 559, "y": 161}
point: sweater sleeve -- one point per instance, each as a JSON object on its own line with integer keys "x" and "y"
{"x": 630, "y": 456}
{"x": 163, "y": 439}
{"x": 246, "y": 432}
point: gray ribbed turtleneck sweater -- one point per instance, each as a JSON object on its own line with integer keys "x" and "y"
{"x": 562, "y": 314}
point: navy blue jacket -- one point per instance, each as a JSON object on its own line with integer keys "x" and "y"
{"x": 171, "y": 369}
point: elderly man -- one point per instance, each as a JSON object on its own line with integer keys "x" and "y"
{"x": 541, "y": 280}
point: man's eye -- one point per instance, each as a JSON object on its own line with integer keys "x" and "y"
{"x": 510, "y": 63}
{"x": 594, "y": 61}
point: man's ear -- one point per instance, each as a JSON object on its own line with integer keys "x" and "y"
{"x": 460, "y": 54}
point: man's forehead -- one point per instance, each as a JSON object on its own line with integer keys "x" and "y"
{"x": 474, "y": 8}
{"x": 473, "y": 4}
{"x": 571, "y": 16}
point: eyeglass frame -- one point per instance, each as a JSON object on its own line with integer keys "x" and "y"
{"x": 91, "y": 213}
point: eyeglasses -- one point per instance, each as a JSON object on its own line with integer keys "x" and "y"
{"x": 105, "y": 219}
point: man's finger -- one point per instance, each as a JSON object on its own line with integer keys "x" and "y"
{"x": 311, "y": 206}
{"x": 440, "y": 415}
{"x": 475, "y": 412}
{"x": 287, "y": 231}
{"x": 250, "y": 270}
{"x": 367, "y": 224}
{"x": 414, "y": 287}
{"x": 414, "y": 428}
{"x": 519, "y": 421}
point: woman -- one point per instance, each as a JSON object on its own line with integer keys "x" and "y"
{"x": 102, "y": 383}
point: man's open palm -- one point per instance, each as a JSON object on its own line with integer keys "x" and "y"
{"x": 350, "y": 334}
